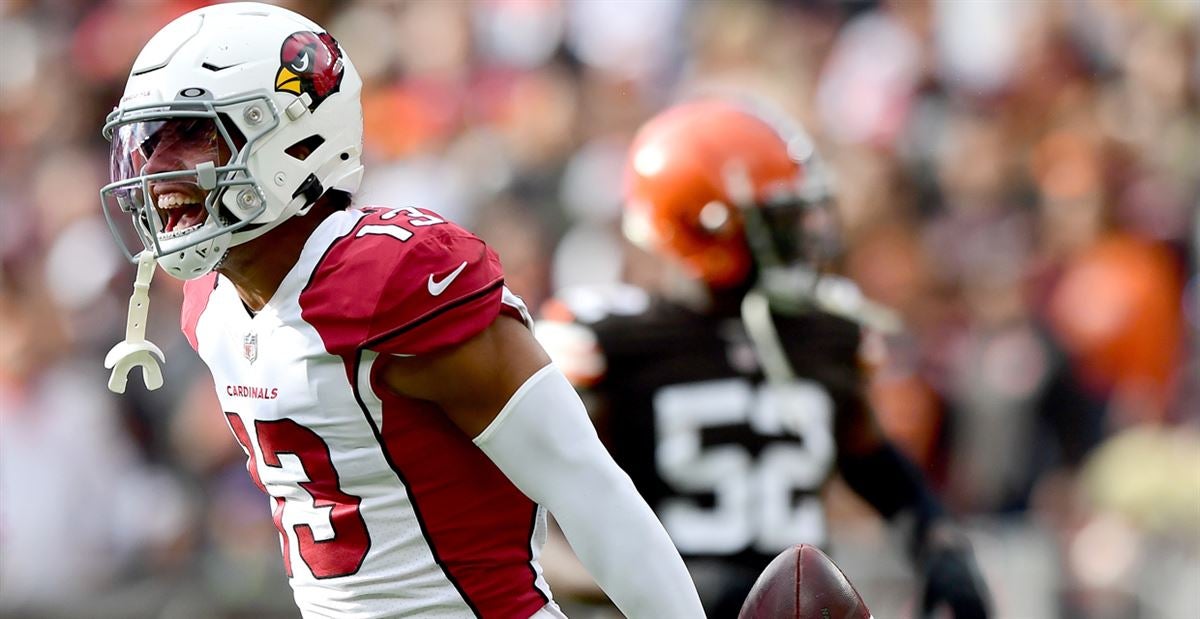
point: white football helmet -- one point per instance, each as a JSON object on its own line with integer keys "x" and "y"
{"x": 273, "y": 89}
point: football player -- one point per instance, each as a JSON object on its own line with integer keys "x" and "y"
{"x": 733, "y": 392}
{"x": 391, "y": 400}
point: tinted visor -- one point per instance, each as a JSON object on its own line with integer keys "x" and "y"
{"x": 177, "y": 142}
{"x": 795, "y": 231}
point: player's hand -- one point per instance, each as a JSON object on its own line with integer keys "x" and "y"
{"x": 952, "y": 580}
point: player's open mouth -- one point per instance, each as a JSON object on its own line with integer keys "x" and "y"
{"x": 180, "y": 213}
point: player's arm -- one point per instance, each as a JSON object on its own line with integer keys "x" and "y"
{"x": 575, "y": 350}
{"x": 874, "y": 468}
{"x": 500, "y": 389}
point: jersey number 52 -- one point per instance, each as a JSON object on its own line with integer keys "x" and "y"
{"x": 766, "y": 502}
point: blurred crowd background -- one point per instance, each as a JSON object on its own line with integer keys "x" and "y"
{"x": 1019, "y": 179}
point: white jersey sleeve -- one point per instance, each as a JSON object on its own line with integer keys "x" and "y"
{"x": 544, "y": 442}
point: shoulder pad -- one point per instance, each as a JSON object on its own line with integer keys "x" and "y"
{"x": 403, "y": 281}
{"x": 842, "y": 297}
{"x": 591, "y": 304}
{"x": 575, "y": 349}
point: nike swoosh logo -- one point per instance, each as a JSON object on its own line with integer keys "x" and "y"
{"x": 436, "y": 287}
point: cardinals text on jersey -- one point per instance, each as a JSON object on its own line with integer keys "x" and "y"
{"x": 384, "y": 508}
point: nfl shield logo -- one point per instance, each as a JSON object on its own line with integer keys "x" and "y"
{"x": 250, "y": 346}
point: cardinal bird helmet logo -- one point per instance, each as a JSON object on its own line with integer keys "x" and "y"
{"x": 310, "y": 63}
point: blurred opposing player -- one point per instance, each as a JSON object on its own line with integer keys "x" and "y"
{"x": 732, "y": 393}
{"x": 380, "y": 377}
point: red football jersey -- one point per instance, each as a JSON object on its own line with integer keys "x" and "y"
{"x": 384, "y": 507}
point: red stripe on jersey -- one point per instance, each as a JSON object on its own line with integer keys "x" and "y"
{"x": 478, "y": 524}
{"x": 196, "y": 293}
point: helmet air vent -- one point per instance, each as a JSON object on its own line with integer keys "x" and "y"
{"x": 214, "y": 68}
{"x": 302, "y": 149}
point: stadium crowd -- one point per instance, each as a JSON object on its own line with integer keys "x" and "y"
{"x": 1018, "y": 180}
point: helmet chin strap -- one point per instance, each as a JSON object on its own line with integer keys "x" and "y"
{"x": 760, "y": 326}
{"x": 135, "y": 350}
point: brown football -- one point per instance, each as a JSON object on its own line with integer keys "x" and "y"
{"x": 803, "y": 583}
